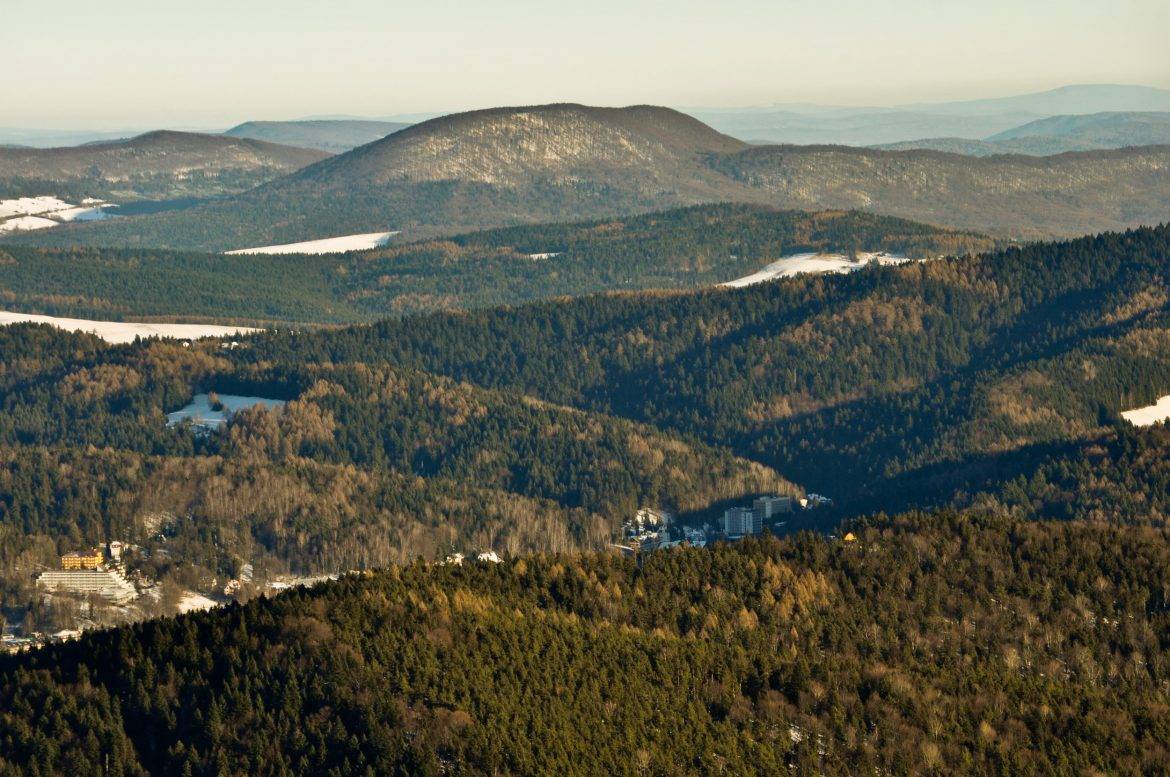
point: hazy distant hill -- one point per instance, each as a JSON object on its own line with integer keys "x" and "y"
{"x": 866, "y": 126}
{"x": 1113, "y": 130}
{"x": 854, "y": 127}
{"x": 1073, "y": 99}
{"x": 154, "y": 165}
{"x": 1058, "y": 134}
{"x": 569, "y": 162}
{"x": 28, "y": 137}
{"x": 325, "y": 135}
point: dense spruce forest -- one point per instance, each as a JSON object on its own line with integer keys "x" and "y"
{"x": 680, "y": 249}
{"x": 931, "y": 644}
{"x": 932, "y": 364}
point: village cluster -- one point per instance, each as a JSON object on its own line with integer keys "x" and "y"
{"x": 99, "y": 574}
{"x": 653, "y": 529}
{"x": 98, "y": 577}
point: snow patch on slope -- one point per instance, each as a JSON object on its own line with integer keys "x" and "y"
{"x": 23, "y": 214}
{"x": 26, "y": 224}
{"x": 30, "y": 206}
{"x": 192, "y": 601}
{"x": 802, "y": 264}
{"x": 1150, "y": 414}
{"x": 83, "y": 213}
{"x": 126, "y": 331}
{"x": 328, "y": 245}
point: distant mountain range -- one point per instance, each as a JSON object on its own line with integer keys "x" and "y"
{"x": 863, "y": 127}
{"x": 565, "y": 162}
{"x": 801, "y": 123}
{"x": 333, "y": 136}
{"x": 154, "y": 165}
{"x": 30, "y": 137}
{"x": 1058, "y": 134}
{"x": 1073, "y": 99}
{"x": 975, "y": 119}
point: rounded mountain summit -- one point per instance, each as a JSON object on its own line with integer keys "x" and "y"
{"x": 566, "y": 162}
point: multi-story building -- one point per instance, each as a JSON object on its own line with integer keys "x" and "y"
{"x": 738, "y": 521}
{"x": 106, "y": 583}
{"x": 90, "y": 559}
{"x": 770, "y": 506}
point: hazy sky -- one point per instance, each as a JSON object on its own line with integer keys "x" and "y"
{"x": 139, "y": 63}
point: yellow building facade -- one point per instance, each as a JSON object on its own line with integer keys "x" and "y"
{"x": 90, "y": 559}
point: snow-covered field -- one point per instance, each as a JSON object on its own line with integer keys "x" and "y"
{"x": 26, "y": 224}
{"x": 328, "y": 245}
{"x": 30, "y": 206}
{"x": 125, "y": 332}
{"x": 800, "y": 264}
{"x": 201, "y": 413}
{"x": 83, "y": 213}
{"x": 195, "y": 601}
{"x": 1150, "y": 414}
{"x": 23, "y": 214}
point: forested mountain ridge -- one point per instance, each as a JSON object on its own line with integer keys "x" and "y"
{"x": 684, "y": 248}
{"x": 946, "y": 644}
{"x": 1097, "y": 126}
{"x": 1121, "y": 475}
{"x": 931, "y": 362}
{"x": 510, "y": 166}
{"x": 155, "y": 165}
{"x": 1019, "y": 196}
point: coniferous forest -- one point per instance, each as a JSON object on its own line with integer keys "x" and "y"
{"x": 987, "y": 592}
{"x": 686, "y": 248}
{"x": 966, "y": 644}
